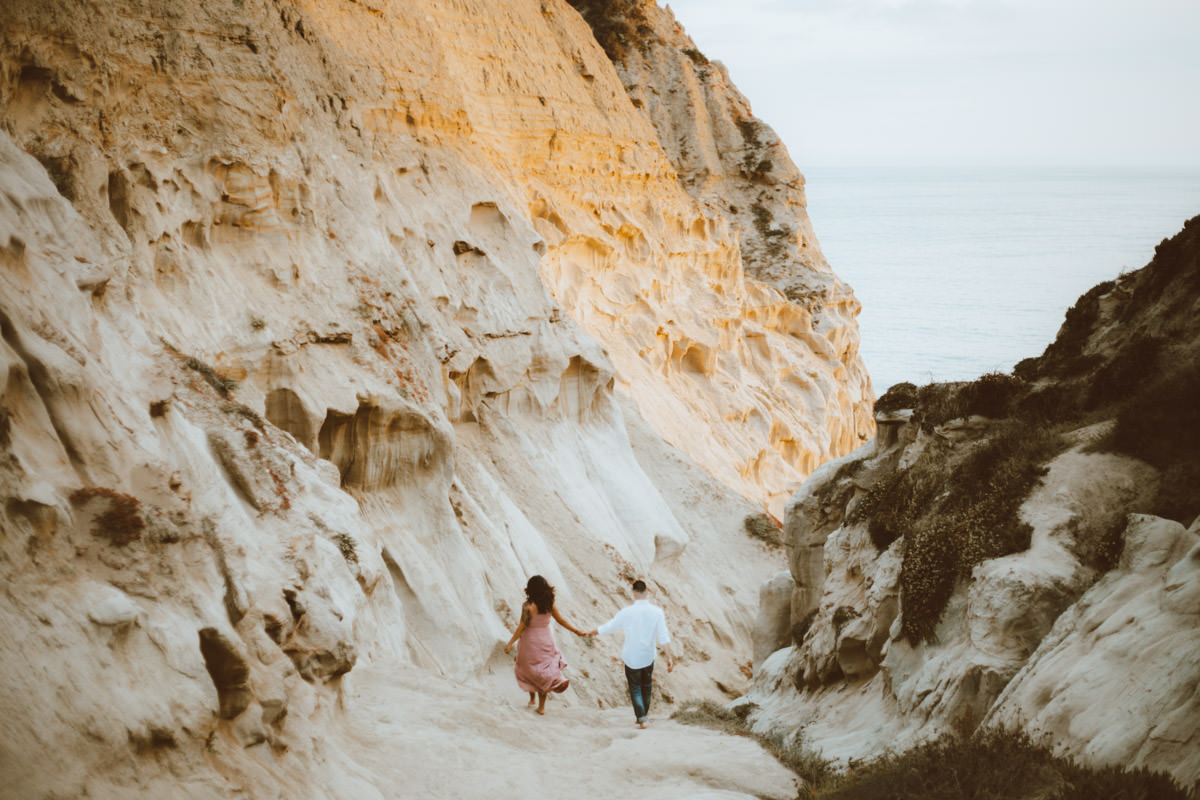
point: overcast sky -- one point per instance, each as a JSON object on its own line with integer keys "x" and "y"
{"x": 1038, "y": 82}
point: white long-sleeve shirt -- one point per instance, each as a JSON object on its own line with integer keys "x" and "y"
{"x": 644, "y": 626}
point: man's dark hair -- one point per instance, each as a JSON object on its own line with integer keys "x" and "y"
{"x": 639, "y": 586}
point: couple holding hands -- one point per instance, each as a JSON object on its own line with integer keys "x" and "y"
{"x": 539, "y": 662}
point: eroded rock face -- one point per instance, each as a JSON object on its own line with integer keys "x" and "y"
{"x": 736, "y": 280}
{"x": 737, "y": 342}
{"x": 1035, "y": 641}
{"x": 1125, "y": 641}
{"x": 1056, "y": 639}
{"x": 323, "y": 330}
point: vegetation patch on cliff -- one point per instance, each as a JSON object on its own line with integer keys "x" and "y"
{"x": 989, "y": 766}
{"x": 898, "y": 397}
{"x": 1161, "y": 426}
{"x": 1152, "y": 402}
{"x": 955, "y": 511}
{"x": 1128, "y": 352}
{"x": 121, "y": 521}
{"x": 618, "y": 25}
{"x": 755, "y": 165}
{"x": 222, "y": 384}
{"x": 993, "y": 395}
{"x": 765, "y": 528}
{"x": 956, "y": 505}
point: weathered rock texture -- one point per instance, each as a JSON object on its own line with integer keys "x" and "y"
{"x": 325, "y": 325}
{"x": 714, "y": 332}
{"x": 1083, "y": 635}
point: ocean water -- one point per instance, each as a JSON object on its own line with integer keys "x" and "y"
{"x": 964, "y": 271}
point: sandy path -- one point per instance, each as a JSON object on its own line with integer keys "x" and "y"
{"x": 408, "y": 734}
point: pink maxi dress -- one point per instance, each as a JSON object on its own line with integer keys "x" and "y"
{"x": 539, "y": 662}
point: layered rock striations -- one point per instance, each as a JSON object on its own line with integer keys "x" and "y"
{"x": 325, "y": 326}
{"x": 1019, "y": 553}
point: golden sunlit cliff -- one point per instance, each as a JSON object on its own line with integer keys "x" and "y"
{"x": 325, "y": 325}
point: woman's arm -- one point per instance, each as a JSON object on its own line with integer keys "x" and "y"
{"x": 558, "y": 618}
{"x": 520, "y": 627}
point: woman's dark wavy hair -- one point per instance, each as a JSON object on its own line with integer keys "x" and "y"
{"x": 539, "y": 592}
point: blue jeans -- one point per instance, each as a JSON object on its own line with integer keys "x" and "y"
{"x": 639, "y": 689}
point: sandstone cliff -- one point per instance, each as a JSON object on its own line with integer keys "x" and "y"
{"x": 716, "y": 293}
{"x": 1018, "y": 553}
{"x": 324, "y": 326}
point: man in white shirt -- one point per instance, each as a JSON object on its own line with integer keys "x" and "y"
{"x": 644, "y": 626}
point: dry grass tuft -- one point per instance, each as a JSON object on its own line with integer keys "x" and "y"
{"x": 902, "y": 395}
{"x": 224, "y": 386}
{"x": 347, "y": 547}
{"x": 121, "y": 522}
{"x": 765, "y": 528}
{"x": 990, "y": 766}
{"x": 245, "y": 412}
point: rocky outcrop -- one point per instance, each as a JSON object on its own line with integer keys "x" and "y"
{"x": 326, "y": 325}
{"x": 858, "y": 686}
{"x": 972, "y": 568}
{"x": 1125, "y": 640}
{"x": 773, "y": 627}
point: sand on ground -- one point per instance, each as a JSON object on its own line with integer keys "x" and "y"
{"x": 433, "y": 738}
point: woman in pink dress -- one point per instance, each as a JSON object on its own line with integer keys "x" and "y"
{"x": 539, "y": 662}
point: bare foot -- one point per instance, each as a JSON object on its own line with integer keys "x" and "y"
{"x": 541, "y": 710}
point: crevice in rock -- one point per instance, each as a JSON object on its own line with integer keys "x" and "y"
{"x": 118, "y": 200}
{"x": 38, "y": 379}
{"x": 286, "y": 411}
{"x": 235, "y": 601}
{"x": 229, "y": 672}
{"x": 375, "y": 448}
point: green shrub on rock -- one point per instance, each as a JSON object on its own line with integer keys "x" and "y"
{"x": 954, "y": 511}
{"x": 900, "y": 396}
{"x": 1161, "y": 426}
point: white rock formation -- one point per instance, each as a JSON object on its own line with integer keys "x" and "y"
{"x": 1098, "y": 669}
{"x": 773, "y": 627}
{"x": 1126, "y": 640}
{"x": 291, "y": 396}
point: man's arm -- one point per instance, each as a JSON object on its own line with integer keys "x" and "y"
{"x": 614, "y": 624}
